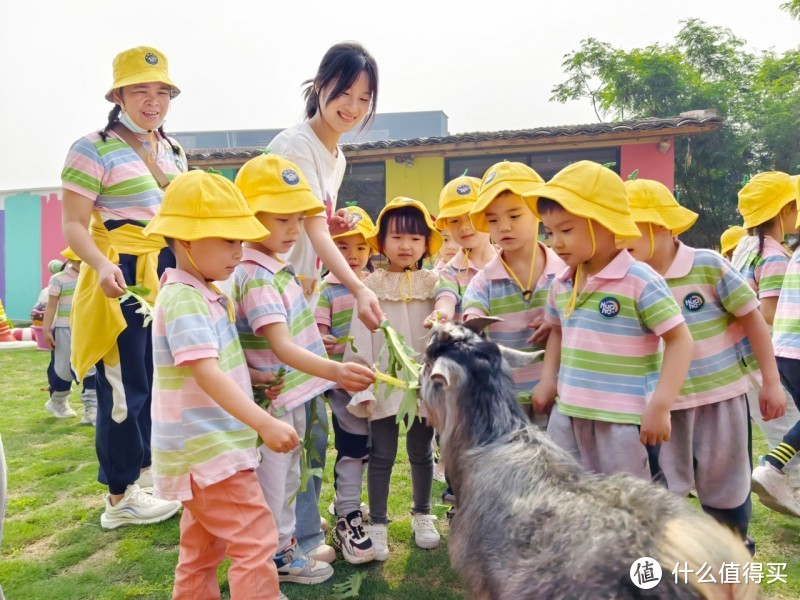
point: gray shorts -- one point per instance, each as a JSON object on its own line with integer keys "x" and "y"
{"x": 708, "y": 451}
{"x": 601, "y": 447}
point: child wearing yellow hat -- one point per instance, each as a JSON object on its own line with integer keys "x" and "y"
{"x": 513, "y": 285}
{"x": 405, "y": 234}
{"x": 333, "y": 314}
{"x": 708, "y": 448}
{"x": 729, "y": 239}
{"x": 609, "y": 314}
{"x": 277, "y": 328}
{"x": 475, "y": 247}
{"x": 57, "y": 336}
{"x": 447, "y": 252}
{"x": 205, "y": 422}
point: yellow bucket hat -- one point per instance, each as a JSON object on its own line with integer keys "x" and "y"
{"x": 434, "y": 242}
{"x": 364, "y": 226}
{"x": 142, "y": 64}
{"x": 502, "y": 177}
{"x": 272, "y": 184}
{"x": 730, "y": 238}
{"x": 69, "y": 254}
{"x": 587, "y": 189}
{"x": 651, "y": 202}
{"x": 457, "y": 198}
{"x": 200, "y": 205}
{"x": 763, "y": 197}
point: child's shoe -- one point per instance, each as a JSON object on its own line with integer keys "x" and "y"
{"x": 425, "y": 534}
{"x": 59, "y": 407}
{"x": 438, "y": 472}
{"x": 137, "y": 508}
{"x": 322, "y": 553}
{"x": 364, "y": 508}
{"x": 89, "y": 416}
{"x": 294, "y": 566}
{"x": 772, "y": 487}
{"x": 352, "y": 540}
{"x": 379, "y": 535}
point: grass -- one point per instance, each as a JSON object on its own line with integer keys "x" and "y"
{"x": 54, "y": 543}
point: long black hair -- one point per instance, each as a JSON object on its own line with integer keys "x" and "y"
{"x": 113, "y": 119}
{"x": 340, "y": 67}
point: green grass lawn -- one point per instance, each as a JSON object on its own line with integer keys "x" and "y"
{"x": 54, "y": 544}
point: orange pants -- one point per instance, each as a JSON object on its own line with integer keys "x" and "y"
{"x": 230, "y": 518}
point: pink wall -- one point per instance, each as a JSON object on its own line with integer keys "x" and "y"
{"x": 52, "y": 238}
{"x": 650, "y": 162}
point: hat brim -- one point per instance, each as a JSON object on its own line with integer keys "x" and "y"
{"x": 357, "y": 230}
{"x": 454, "y": 210}
{"x": 770, "y": 211}
{"x": 435, "y": 241}
{"x": 69, "y": 254}
{"x": 676, "y": 219}
{"x": 287, "y": 203}
{"x": 144, "y": 77}
{"x": 478, "y": 213}
{"x": 621, "y": 225}
{"x": 244, "y": 228}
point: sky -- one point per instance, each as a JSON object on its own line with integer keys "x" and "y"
{"x": 240, "y": 64}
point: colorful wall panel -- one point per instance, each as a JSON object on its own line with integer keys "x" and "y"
{"x": 22, "y": 249}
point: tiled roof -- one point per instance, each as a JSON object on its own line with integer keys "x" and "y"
{"x": 644, "y": 126}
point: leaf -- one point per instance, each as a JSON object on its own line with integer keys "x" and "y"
{"x": 408, "y": 406}
{"x": 137, "y": 293}
{"x": 213, "y": 171}
{"x": 347, "y": 339}
{"x": 349, "y": 588}
{"x": 138, "y": 289}
{"x": 351, "y": 203}
{"x": 633, "y": 175}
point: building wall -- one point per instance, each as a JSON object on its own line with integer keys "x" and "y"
{"x": 652, "y": 164}
{"x": 422, "y": 180}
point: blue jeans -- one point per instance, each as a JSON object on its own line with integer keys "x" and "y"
{"x": 307, "y": 530}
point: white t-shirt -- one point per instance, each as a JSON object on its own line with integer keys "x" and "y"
{"x": 324, "y": 173}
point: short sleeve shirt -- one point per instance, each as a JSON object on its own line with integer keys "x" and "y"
{"x": 62, "y": 285}
{"x": 454, "y": 277}
{"x": 193, "y": 437}
{"x": 763, "y": 271}
{"x": 335, "y": 310}
{"x": 786, "y": 326}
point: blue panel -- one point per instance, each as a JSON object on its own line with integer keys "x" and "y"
{"x": 22, "y": 247}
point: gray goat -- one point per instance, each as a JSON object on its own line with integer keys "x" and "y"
{"x": 532, "y": 523}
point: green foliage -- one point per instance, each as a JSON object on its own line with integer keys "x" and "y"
{"x": 758, "y": 93}
{"x": 793, "y": 8}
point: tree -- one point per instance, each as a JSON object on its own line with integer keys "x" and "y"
{"x": 704, "y": 67}
{"x": 793, "y": 8}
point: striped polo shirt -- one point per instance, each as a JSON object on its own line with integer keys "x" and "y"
{"x": 454, "y": 277}
{"x": 786, "y": 326}
{"x": 193, "y": 436}
{"x": 610, "y": 344}
{"x": 494, "y": 293}
{"x": 62, "y": 285}
{"x": 335, "y": 310}
{"x": 267, "y": 291}
{"x": 712, "y": 294}
{"x": 763, "y": 272}
{"x": 112, "y": 175}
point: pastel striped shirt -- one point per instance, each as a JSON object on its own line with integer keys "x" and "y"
{"x": 493, "y": 292}
{"x": 610, "y": 344}
{"x": 763, "y": 272}
{"x": 712, "y": 294}
{"x": 454, "y": 277}
{"x": 267, "y": 291}
{"x": 193, "y": 436}
{"x": 335, "y": 310}
{"x": 786, "y": 326}
{"x": 62, "y": 285}
{"x": 112, "y": 175}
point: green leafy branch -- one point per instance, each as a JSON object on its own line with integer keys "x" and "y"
{"x": 138, "y": 293}
{"x": 308, "y": 451}
{"x": 347, "y": 339}
{"x": 402, "y": 371}
{"x": 264, "y": 401}
{"x": 349, "y": 588}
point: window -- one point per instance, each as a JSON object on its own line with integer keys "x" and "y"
{"x": 364, "y": 183}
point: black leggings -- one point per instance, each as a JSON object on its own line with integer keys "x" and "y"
{"x": 789, "y": 369}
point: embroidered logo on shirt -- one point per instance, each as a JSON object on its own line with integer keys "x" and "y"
{"x": 489, "y": 178}
{"x": 464, "y": 189}
{"x": 609, "y": 307}
{"x": 151, "y": 59}
{"x": 693, "y": 301}
{"x": 290, "y": 176}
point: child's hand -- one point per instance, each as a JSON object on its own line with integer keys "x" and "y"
{"x": 354, "y": 377}
{"x": 656, "y": 425}
{"x": 543, "y": 397}
{"x": 438, "y": 317}
{"x": 330, "y": 344}
{"x": 541, "y": 333}
{"x": 772, "y": 401}
{"x": 262, "y": 377}
{"x": 279, "y": 436}
{"x": 49, "y": 339}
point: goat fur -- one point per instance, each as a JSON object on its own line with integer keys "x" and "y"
{"x": 531, "y": 522}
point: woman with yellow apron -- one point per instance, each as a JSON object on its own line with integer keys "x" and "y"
{"x": 113, "y": 183}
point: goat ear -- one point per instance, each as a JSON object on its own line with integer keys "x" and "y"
{"x": 517, "y": 358}
{"x": 478, "y": 324}
{"x": 439, "y": 374}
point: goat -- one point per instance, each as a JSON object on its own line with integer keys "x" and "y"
{"x": 531, "y": 522}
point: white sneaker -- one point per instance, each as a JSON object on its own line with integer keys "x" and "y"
{"x": 425, "y": 534}
{"x": 322, "y": 553}
{"x": 772, "y": 487}
{"x": 438, "y": 472}
{"x": 379, "y": 534}
{"x": 137, "y": 508}
{"x": 60, "y": 411}
{"x": 364, "y": 508}
{"x": 89, "y": 416}
{"x": 145, "y": 481}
